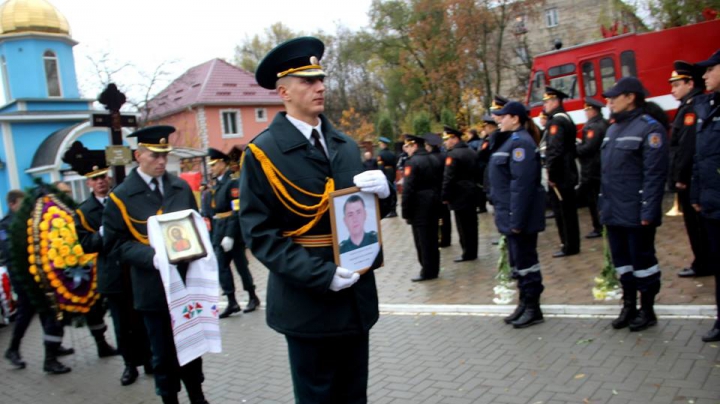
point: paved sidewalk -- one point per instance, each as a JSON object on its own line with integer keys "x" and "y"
{"x": 419, "y": 359}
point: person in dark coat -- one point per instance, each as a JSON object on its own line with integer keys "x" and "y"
{"x": 489, "y": 127}
{"x": 387, "y": 163}
{"x": 635, "y": 159}
{"x": 227, "y": 237}
{"x": 324, "y": 311}
{"x": 369, "y": 163}
{"x": 705, "y": 186}
{"x": 148, "y": 190}
{"x": 459, "y": 191}
{"x": 433, "y": 142}
{"x": 518, "y": 198}
{"x": 112, "y": 282}
{"x": 421, "y": 205}
{"x": 588, "y": 152}
{"x": 562, "y": 171}
{"x": 686, "y": 85}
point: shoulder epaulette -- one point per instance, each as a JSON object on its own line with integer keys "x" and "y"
{"x": 515, "y": 136}
{"x": 647, "y": 118}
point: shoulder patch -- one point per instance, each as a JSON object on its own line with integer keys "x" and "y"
{"x": 518, "y": 154}
{"x": 448, "y": 161}
{"x": 408, "y": 170}
{"x": 234, "y": 192}
{"x": 590, "y": 134}
{"x": 484, "y": 146}
{"x": 689, "y": 119}
{"x": 553, "y": 129}
{"x": 655, "y": 140}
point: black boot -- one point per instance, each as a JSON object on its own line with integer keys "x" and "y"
{"x": 170, "y": 399}
{"x": 519, "y": 310}
{"x": 62, "y": 351}
{"x": 13, "y": 355}
{"x": 532, "y": 314}
{"x": 103, "y": 348}
{"x": 52, "y": 365}
{"x": 646, "y": 316}
{"x": 253, "y": 302}
{"x": 629, "y": 310}
{"x": 232, "y": 307}
{"x": 130, "y": 374}
{"x": 195, "y": 394}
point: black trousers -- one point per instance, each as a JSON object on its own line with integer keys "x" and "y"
{"x": 523, "y": 257}
{"x": 167, "y": 371}
{"x": 330, "y": 370}
{"x": 713, "y": 232}
{"x": 236, "y": 255}
{"x": 426, "y": 244}
{"x": 52, "y": 328}
{"x": 590, "y": 189}
{"x": 697, "y": 233}
{"x": 633, "y": 253}
{"x": 467, "y": 224}
{"x": 130, "y": 333}
{"x": 566, "y": 218}
{"x": 446, "y": 226}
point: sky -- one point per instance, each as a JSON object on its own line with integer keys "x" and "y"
{"x": 186, "y": 33}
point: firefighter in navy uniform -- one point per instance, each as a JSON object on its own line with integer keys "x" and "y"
{"x": 112, "y": 282}
{"x": 588, "y": 152}
{"x": 519, "y": 201}
{"x": 686, "y": 85}
{"x": 421, "y": 204}
{"x": 562, "y": 171}
{"x": 459, "y": 191}
{"x": 387, "y": 162}
{"x": 433, "y": 141}
{"x": 324, "y": 311}
{"x": 147, "y": 190}
{"x": 226, "y": 236}
{"x": 634, "y": 160}
{"x": 705, "y": 188}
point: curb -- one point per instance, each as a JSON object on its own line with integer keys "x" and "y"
{"x": 555, "y": 310}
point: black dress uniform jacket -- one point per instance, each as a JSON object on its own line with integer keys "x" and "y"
{"x": 226, "y": 190}
{"x": 588, "y": 151}
{"x": 141, "y": 203}
{"x": 88, "y": 219}
{"x": 560, "y": 152}
{"x": 300, "y": 303}
{"x": 460, "y": 177}
{"x": 705, "y": 188}
{"x": 386, "y": 162}
{"x": 682, "y": 143}
{"x": 421, "y": 188}
{"x": 635, "y": 160}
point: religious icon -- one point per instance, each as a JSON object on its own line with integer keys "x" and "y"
{"x": 355, "y": 218}
{"x": 182, "y": 240}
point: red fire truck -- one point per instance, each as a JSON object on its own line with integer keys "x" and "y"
{"x": 590, "y": 69}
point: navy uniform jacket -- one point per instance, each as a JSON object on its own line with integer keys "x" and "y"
{"x": 460, "y": 177}
{"x": 421, "y": 188}
{"x": 560, "y": 151}
{"x": 517, "y": 194}
{"x": 141, "y": 203}
{"x": 682, "y": 142}
{"x": 588, "y": 151}
{"x": 299, "y": 301}
{"x": 226, "y": 191}
{"x": 635, "y": 161}
{"x": 5, "y": 223}
{"x": 386, "y": 161}
{"x": 88, "y": 219}
{"x": 705, "y": 188}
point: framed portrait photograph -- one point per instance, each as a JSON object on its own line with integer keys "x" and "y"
{"x": 182, "y": 240}
{"x": 356, "y": 229}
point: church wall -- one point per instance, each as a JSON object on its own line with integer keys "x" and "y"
{"x": 58, "y": 106}
{"x": 27, "y": 137}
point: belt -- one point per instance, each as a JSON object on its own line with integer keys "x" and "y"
{"x": 223, "y": 215}
{"x": 318, "y": 240}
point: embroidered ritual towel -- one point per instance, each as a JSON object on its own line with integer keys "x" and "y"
{"x": 193, "y": 304}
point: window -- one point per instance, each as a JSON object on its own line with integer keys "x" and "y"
{"x": 260, "y": 115}
{"x": 588, "y": 75}
{"x": 607, "y": 73}
{"x": 566, "y": 84}
{"x": 551, "y": 17}
{"x": 627, "y": 64}
{"x": 5, "y": 80}
{"x": 52, "y": 75}
{"x": 561, "y": 70}
{"x": 231, "y": 123}
{"x": 537, "y": 88}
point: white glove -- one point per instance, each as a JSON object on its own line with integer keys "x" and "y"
{"x": 156, "y": 262}
{"x": 227, "y": 243}
{"x": 343, "y": 278}
{"x": 100, "y": 230}
{"x": 373, "y": 181}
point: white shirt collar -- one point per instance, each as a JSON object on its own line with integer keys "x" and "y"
{"x": 305, "y": 128}
{"x": 100, "y": 199}
{"x": 148, "y": 178}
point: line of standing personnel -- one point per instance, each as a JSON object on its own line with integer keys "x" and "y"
{"x": 588, "y": 152}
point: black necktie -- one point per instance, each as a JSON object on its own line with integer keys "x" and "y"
{"x": 316, "y": 142}
{"x": 157, "y": 188}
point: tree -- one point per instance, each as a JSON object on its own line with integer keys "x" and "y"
{"x": 355, "y": 125}
{"x": 421, "y": 123}
{"x": 676, "y": 13}
{"x": 385, "y": 126}
{"x": 251, "y": 51}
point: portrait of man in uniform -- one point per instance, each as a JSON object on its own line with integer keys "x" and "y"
{"x": 356, "y": 229}
{"x": 354, "y": 217}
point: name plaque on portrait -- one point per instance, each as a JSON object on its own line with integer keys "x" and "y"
{"x": 182, "y": 239}
{"x": 118, "y": 155}
{"x": 356, "y": 231}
